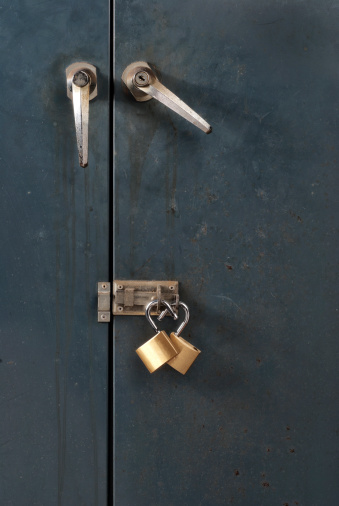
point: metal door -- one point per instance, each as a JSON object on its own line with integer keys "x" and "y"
{"x": 245, "y": 220}
{"x": 54, "y": 250}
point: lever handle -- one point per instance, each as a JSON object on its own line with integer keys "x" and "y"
{"x": 81, "y": 88}
{"x": 143, "y": 83}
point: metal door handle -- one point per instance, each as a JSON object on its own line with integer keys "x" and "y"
{"x": 81, "y": 88}
{"x": 144, "y": 84}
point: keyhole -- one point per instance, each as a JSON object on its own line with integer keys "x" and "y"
{"x": 80, "y": 79}
{"x": 141, "y": 78}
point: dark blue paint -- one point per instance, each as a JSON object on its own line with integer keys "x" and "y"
{"x": 54, "y": 249}
{"x": 245, "y": 219}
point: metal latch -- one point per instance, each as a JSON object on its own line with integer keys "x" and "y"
{"x": 132, "y": 297}
{"x": 104, "y": 302}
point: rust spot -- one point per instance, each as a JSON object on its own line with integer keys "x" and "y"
{"x": 265, "y": 484}
{"x": 294, "y": 215}
{"x": 268, "y": 450}
{"x": 258, "y": 361}
{"x": 211, "y": 197}
{"x": 292, "y": 450}
{"x": 221, "y": 428}
{"x": 288, "y": 428}
{"x": 229, "y": 267}
{"x": 172, "y": 210}
{"x": 236, "y": 472}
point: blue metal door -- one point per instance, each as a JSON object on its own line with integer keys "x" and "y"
{"x": 245, "y": 219}
{"x": 53, "y": 251}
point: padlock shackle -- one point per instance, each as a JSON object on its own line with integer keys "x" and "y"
{"x": 185, "y": 322}
{"x": 154, "y": 303}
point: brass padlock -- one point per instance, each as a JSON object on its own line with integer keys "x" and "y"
{"x": 159, "y": 349}
{"x": 186, "y": 352}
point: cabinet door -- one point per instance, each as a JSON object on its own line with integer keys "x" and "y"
{"x": 245, "y": 220}
{"x": 53, "y": 251}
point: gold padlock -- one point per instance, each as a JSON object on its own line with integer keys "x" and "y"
{"x": 159, "y": 349}
{"x": 186, "y": 352}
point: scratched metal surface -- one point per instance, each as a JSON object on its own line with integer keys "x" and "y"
{"x": 245, "y": 219}
{"x": 54, "y": 248}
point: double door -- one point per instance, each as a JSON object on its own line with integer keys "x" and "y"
{"x": 244, "y": 219}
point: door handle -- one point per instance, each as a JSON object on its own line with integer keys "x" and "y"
{"x": 81, "y": 88}
{"x": 143, "y": 83}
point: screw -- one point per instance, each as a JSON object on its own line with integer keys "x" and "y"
{"x": 120, "y": 308}
{"x": 171, "y": 287}
{"x": 103, "y": 317}
{"x": 120, "y": 287}
{"x": 141, "y": 78}
{"x": 104, "y": 285}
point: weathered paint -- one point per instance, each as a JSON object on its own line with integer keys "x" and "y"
{"x": 54, "y": 249}
{"x": 245, "y": 219}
